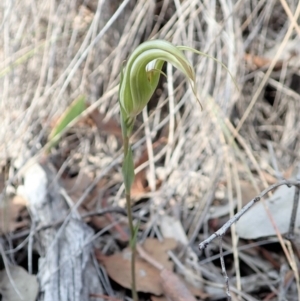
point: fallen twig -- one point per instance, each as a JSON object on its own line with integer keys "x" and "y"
{"x": 237, "y": 216}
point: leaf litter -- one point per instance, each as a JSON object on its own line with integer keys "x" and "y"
{"x": 154, "y": 275}
{"x": 148, "y": 276}
{"x": 65, "y": 53}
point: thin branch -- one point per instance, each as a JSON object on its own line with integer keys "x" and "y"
{"x": 224, "y": 270}
{"x": 294, "y": 213}
{"x": 238, "y": 215}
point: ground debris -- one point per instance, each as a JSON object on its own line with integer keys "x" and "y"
{"x": 65, "y": 252}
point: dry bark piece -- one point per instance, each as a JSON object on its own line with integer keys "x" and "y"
{"x": 66, "y": 271}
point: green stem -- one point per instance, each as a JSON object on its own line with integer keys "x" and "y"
{"x": 131, "y": 228}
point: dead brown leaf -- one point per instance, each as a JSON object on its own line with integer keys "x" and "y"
{"x": 158, "y": 250}
{"x": 150, "y": 279}
{"x": 118, "y": 266}
{"x": 10, "y": 215}
{"x": 174, "y": 288}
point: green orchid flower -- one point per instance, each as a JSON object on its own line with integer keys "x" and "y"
{"x": 140, "y": 77}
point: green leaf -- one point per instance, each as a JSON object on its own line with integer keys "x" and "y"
{"x": 128, "y": 170}
{"x": 73, "y": 111}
